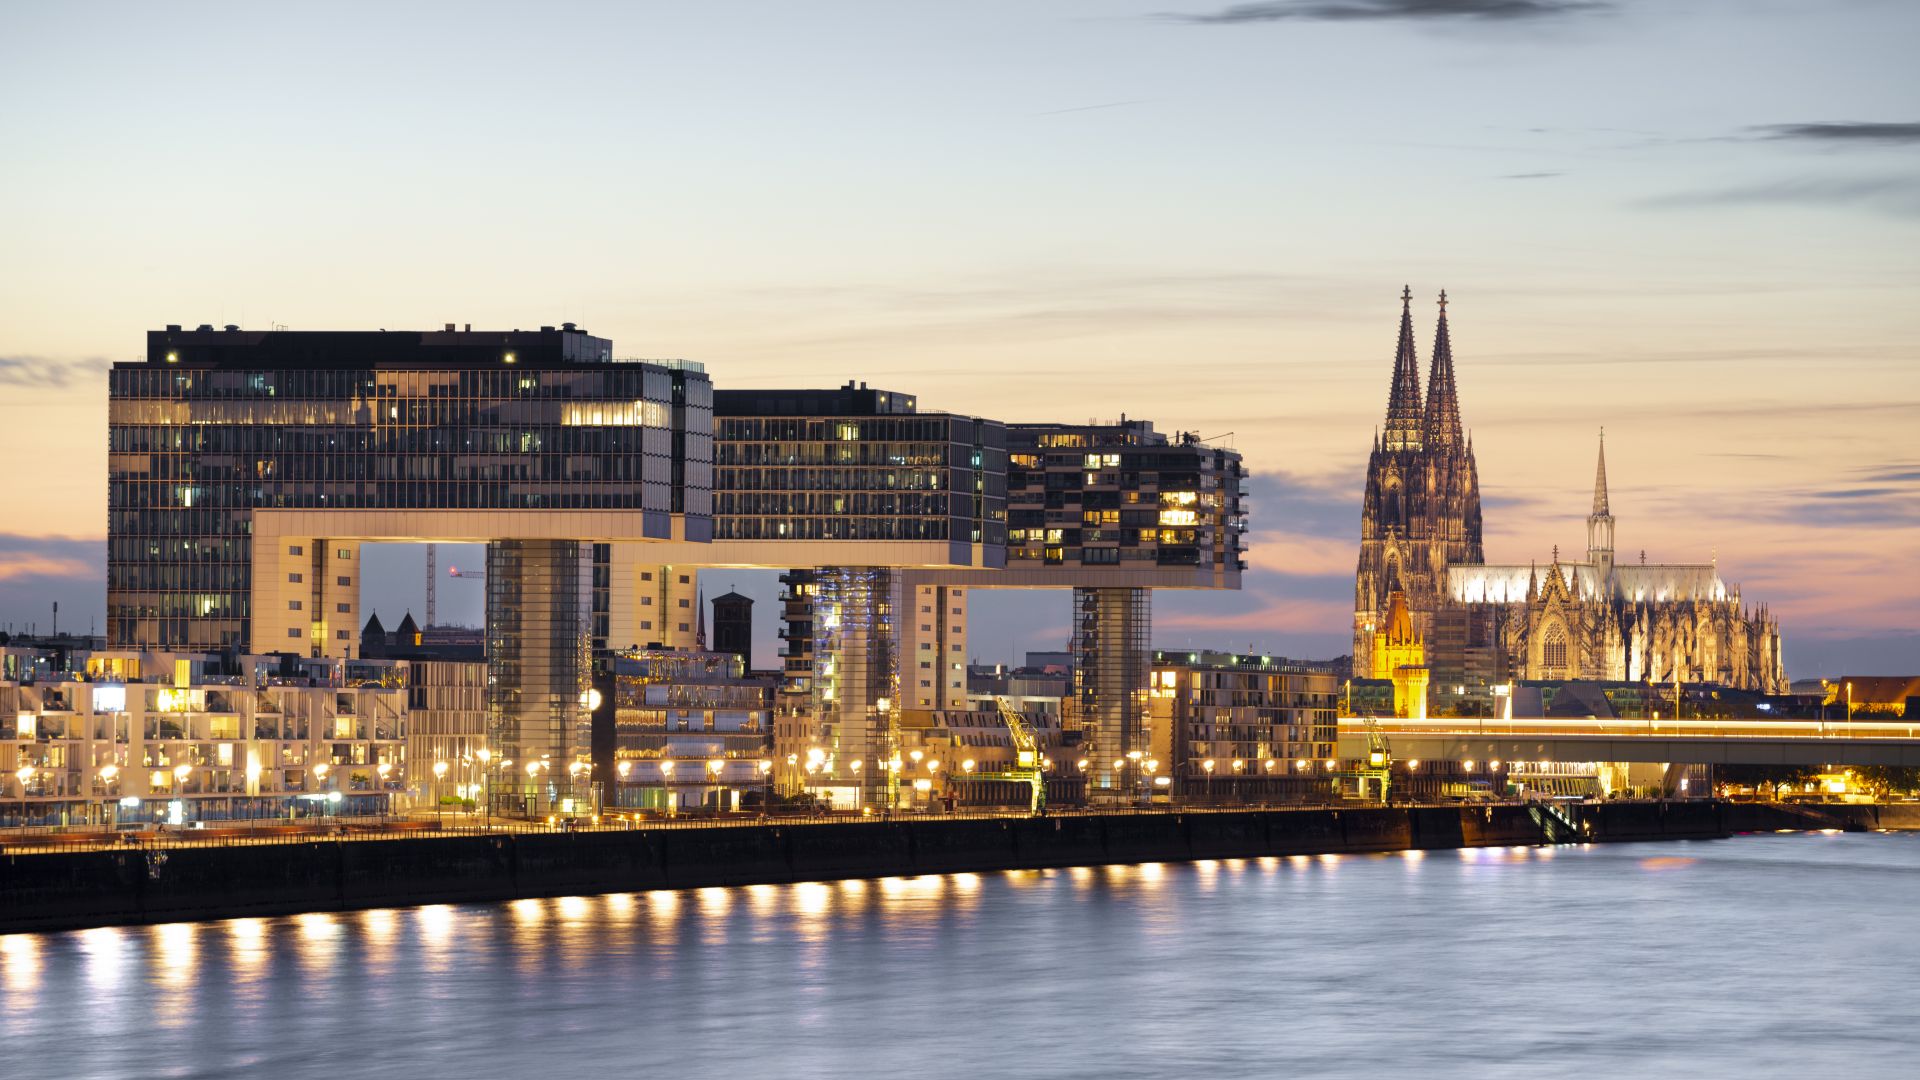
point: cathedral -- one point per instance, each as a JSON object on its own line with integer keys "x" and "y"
{"x": 1486, "y": 624}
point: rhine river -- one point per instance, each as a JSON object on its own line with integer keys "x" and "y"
{"x": 1778, "y": 955}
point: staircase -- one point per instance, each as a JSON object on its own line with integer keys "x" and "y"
{"x": 1556, "y": 821}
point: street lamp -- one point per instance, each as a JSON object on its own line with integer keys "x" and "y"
{"x": 713, "y": 767}
{"x": 766, "y": 787}
{"x": 439, "y": 774}
{"x": 666, "y": 786}
{"x": 1207, "y": 767}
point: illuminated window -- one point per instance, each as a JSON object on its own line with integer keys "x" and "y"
{"x": 1553, "y": 652}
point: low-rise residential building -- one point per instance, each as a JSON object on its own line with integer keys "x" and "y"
{"x": 179, "y": 738}
{"x": 1231, "y": 727}
{"x": 688, "y": 729}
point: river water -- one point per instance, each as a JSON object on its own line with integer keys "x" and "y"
{"x": 1778, "y": 955}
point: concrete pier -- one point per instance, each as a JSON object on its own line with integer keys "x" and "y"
{"x": 66, "y": 890}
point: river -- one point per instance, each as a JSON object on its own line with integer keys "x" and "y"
{"x": 1776, "y": 955}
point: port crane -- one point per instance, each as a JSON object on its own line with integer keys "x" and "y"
{"x": 1028, "y": 766}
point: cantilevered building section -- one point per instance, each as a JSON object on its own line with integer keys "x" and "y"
{"x": 247, "y": 469}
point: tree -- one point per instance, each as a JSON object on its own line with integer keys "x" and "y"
{"x": 1771, "y": 777}
{"x": 1884, "y": 780}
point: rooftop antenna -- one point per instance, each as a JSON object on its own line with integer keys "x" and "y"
{"x": 433, "y": 572}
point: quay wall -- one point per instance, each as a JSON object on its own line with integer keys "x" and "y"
{"x": 64, "y": 890}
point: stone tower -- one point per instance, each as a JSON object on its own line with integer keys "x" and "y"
{"x": 1421, "y": 511}
{"x": 1600, "y": 521}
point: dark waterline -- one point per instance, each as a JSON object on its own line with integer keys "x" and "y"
{"x": 1777, "y": 955}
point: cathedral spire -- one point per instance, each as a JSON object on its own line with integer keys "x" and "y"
{"x": 1600, "y": 522}
{"x": 1600, "y": 479}
{"x": 1403, "y": 405}
{"x": 1442, "y": 419}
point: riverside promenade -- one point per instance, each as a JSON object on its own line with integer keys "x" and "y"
{"x": 186, "y": 880}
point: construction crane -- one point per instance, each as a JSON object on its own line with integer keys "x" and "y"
{"x": 1028, "y": 767}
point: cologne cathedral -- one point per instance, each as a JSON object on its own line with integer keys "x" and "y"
{"x": 1485, "y": 624}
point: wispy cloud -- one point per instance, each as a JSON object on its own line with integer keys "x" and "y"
{"x": 1895, "y": 195}
{"x": 37, "y": 371}
{"x": 1365, "y": 10}
{"x": 1843, "y": 133}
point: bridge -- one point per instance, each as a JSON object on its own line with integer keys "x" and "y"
{"x": 1699, "y": 741}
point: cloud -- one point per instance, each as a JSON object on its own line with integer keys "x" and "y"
{"x": 1531, "y": 176}
{"x": 36, "y": 371}
{"x": 1895, "y": 195}
{"x": 1843, "y": 133}
{"x": 1366, "y": 10}
{"x": 38, "y": 571}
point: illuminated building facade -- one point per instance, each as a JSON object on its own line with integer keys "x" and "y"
{"x": 1239, "y": 727}
{"x": 1484, "y": 624}
{"x": 248, "y": 468}
{"x": 172, "y": 738}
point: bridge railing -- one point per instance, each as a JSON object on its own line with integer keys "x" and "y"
{"x": 1717, "y": 729}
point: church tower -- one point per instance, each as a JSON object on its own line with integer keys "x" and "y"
{"x": 1421, "y": 510}
{"x": 1389, "y": 513}
{"x": 1600, "y": 523}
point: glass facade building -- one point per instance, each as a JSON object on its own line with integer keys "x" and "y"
{"x": 1121, "y": 494}
{"x": 856, "y": 464}
{"x": 216, "y": 424}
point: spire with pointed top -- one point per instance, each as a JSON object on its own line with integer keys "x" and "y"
{"x": 1600, "y": 478}
{"x": 1600, "y": 522}
{"x": 1403, "y": 404}
{"x": 1442, "y": 419}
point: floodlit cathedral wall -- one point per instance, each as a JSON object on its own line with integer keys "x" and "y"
{"x": 1590, "y": 619}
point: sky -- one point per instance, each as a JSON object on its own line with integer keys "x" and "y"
{"x": 1695, "y": 224}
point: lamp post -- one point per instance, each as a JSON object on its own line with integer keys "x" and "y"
{"x": 1139, "y": 778}
{"x": 766, "y": 787}
{"x": 1207, "y": 767}
{"x": 666, "y": 786}
{"x": 439, "y": 774}
{"x": 486, "y": 780}
{"x": 714, "y": 766}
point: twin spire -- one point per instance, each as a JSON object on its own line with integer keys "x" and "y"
{"x": 1412, "y": 427}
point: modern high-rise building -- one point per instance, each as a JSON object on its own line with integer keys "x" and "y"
{"x": 248, "y": 468}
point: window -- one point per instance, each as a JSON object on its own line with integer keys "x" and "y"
{"x": 343, "y": 553}
{"x": 683, "y": 579}
{"x": 344, "y": 609}
{"x": 293, "y": 631}
{"x": 344, "y": 580}
{"x": 683, "y": 603}
{"x": 341, "y": 634}
{"x": 293, "y": 605}
{"x": 646, "y": 601}
{"x": 1553, "y": 652}
{"x": 683, "y": 628}
{"x": 646, "y": 575}
{"x": 296, "y": 549}
{"x": 295, "y": 578}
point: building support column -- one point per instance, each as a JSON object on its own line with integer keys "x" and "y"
{"x": 538, "y": 660}
{"x": 1112, "y": 663}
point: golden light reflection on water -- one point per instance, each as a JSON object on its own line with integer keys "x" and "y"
{"x": 528, "y": 912}
{"x": 247, "y": 952}
{"x": 435, "y": 924}
{"x": 104, "y": 947}
{"x": 19, "y": 965}
{"x": 317, "y": 945}
{"x": 573, "y": 908}
{"x": 176, "y": 952}
{"x": 620, "y": 905}
{"x": 378, "y": 925}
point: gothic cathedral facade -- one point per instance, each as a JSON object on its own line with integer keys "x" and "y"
{"x": 1420, "y": 534}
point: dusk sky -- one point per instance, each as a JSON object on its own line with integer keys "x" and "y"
{"x": 1697, "y": 225}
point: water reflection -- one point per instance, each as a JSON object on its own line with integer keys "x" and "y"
{"x": 1382, "y": 964}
